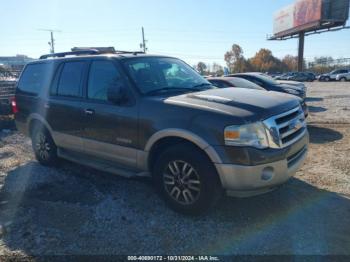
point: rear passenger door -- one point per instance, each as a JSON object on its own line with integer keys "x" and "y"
{"x": 65, "y": 113}
{"x": 110, "y": 129}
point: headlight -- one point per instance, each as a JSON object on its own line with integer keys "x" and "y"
{"x": 247, "y": 135}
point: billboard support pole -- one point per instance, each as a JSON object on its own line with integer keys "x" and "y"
{"x": 301, "y": 51}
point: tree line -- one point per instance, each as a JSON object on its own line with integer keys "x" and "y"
{"x": 263, "y": 61}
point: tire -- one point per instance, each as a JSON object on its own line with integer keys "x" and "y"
{"x": 343, "y": 79}
{"x": 187, "y": 179}
{"x": 44, "y": 147}
{"x": 327, "y": 79}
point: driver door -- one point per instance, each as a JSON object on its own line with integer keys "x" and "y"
{"x": 110, "y": 131}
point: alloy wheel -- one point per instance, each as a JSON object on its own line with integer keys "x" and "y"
{"x": 42, "y": 146}
{"x": 182, "y": 182}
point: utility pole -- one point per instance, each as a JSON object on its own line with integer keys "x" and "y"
{"x": 52, "y": 42}
{"x": 301, "y": 52}
{"x": 143, "y": 44}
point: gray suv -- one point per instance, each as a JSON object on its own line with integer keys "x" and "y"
{"x": 134, "y": 114}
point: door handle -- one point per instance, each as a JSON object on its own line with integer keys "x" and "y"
{"x": 89, "y": 112}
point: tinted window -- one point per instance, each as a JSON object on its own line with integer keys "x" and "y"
{"x": 103, "y": 74}
{"x": 70, "y": 81}
{"x": 35, "y": 77}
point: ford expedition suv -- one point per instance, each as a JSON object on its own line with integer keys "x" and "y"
{"x": 134, "y": 114}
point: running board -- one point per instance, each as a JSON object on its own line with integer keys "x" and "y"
{"x": 102, "y": 165}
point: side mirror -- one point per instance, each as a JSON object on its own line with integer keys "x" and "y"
{"x": 116, "y": 94}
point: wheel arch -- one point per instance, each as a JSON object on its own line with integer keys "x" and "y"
{"x": 162, "y": 139}
{"x": 37, "y": 119}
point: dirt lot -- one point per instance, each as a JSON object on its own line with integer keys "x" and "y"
{"x": 76, "y": 210}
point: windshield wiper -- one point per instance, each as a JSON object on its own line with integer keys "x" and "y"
{"x": 171, "y": 89}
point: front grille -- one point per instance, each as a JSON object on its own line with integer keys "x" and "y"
{"x": 287, "y": 128}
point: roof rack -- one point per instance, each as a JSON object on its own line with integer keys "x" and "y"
{"x": 76, "y": 51}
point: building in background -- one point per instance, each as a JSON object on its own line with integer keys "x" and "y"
{"x": 15, "y": 63}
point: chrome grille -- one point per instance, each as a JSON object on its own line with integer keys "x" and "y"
{"x": 287, "y": 128}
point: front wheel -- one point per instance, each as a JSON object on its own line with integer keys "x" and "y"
{"x": 327, "y": 79}
{"x": 44, "y": 147}
{"x": 187, "y": 179}
{"x": 343, "y": 79}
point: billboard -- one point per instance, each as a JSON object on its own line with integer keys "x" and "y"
{"x": 308, "y": 15}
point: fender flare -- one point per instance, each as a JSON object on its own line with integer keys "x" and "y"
{"x": 42, "y": 120}
{"x": 187, "y": 135}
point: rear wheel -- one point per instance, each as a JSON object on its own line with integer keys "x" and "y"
{"x": 327, "y": 79}
{"x": 187, "y": 179}
{"x": 343, "y": 79}
{"x": 44, "y": 147}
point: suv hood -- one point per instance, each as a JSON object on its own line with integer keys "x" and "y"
{"x": 247, "y": 104}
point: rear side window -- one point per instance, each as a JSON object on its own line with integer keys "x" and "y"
{"x": 103, "y": 75}
{"x": 71, "y": 79}
{"x": 35, "y": 77}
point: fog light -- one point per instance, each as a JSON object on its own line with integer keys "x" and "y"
{"x": 267, "y": 173}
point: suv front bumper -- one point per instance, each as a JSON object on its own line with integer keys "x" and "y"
{"x": 246, "y": 181}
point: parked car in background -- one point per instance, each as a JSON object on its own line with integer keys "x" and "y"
{"x": 7, "y": 93}
{"x": 141, "y": 115}
{"x": 343, "y": 77}
{"x": 332, "y": 76}
{"x": 223, "y": 82}
{"x": 269, "y": 84}
{"x": 298, "y": 76}
{"x": 284, "y": 76}
{"x": 293, "y": 83}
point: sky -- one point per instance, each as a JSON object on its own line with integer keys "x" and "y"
{"x": 193, "y": 30}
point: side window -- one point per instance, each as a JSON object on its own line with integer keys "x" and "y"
{"x": 70, "y": 80}
{"x": 103, "y": 74}
{"x": 35, "y": 77}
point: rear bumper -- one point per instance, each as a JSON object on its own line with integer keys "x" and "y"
{"x": 245, "y": 181}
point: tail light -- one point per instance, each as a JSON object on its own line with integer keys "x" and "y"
{"x": 14, "y": 106}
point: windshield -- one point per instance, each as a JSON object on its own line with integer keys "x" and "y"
{"x": 158, "y": 74}
{"x": 240, "y": 82}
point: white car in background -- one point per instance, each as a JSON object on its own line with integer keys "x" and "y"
{"x": 343, "y": 77}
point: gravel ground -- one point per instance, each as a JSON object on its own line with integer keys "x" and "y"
{"x": 76, "y": 210}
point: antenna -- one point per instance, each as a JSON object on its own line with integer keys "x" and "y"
{"x": 52, "y": 42}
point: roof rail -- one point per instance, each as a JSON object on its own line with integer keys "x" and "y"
{"x": 101, "y": 50}
{"x": 129, "y": 52}
{"x": 76, "y": 53}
